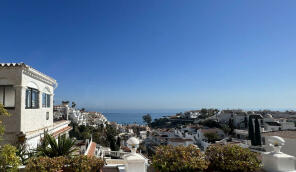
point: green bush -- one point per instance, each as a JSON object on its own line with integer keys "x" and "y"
{"x": 179, "y": 159}
{"x": 86, "y": 163}
{"x": 8, "y": 158}
{"x": 46, "y": 164}
{"x": 232, "y": 158}
{"x": 79, "y": 163}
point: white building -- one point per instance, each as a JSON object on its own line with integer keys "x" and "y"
{"x": 180, "y": 141}
{"x": 276, "y": 124}
{"x": 27, "y": 94}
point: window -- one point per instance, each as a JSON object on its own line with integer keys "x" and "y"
{"x": 47, "y": 115}
{"x": 45, "y": 100}
{"x": 7, "y": 96}
{"x": 32, "y": 98}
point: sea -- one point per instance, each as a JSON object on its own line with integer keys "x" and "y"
{"x": 134, "y": 117}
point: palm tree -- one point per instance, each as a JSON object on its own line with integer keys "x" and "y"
{"x": 50, "y": 147}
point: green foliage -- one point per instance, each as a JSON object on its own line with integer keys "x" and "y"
{"x": 52, "y": 148}
{"x": 210, "y": 123}
{"x": 212, "y": 137}
{"x": 179, "y": 159}
{"x": 46, "y": 164}
{"x": 159, "y": 123}
{"x": 111, "y": 132}
{"x": 232, "y": 158}
{"x": 9, "y": 158}
{"x": 231, "y": 125}
{"x": 225, "y": 128}
{"x": 147, "y": 119}
{"x": 79, "y": 163}
{"x": 23, "y": 153}
{"x": 85, "y": 163}
{"x": 205, "y": 113}
{"x": 105, "y": 136}
{"x": 3, "y": 112}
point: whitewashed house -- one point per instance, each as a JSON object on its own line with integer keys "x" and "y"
{"x": 180, "y": 141}
{"x": 27, "y": 94}
{"x": 276, "y": 124}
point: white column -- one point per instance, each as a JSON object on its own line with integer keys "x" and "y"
{"x": 134, "y": 162}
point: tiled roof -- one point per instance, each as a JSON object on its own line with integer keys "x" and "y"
{"x": 12, "y": 64}
{"x": 210, "y": 130}
{"x": 92, "y": 149}
{"x": 63, "y": 130}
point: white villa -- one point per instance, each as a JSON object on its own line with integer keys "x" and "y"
{"x": 27, "y": 94}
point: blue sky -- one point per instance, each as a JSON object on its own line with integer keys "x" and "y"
{"x": 154, "y": 55}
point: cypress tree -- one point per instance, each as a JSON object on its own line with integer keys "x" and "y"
{"x": 246, "y": 121}
{"x": 230, "y": 124}
{"x": 251, "y": 130}
{"x": 257, "y": 133}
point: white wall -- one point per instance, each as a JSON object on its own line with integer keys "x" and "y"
{"x": 289, "y": 147}
{"x": 36, "y": 116}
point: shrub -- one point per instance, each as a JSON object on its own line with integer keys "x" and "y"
{"x": 212, "y": 137}
{"x": 232, "y": 158}
{"x": 179, "y": 159}
{"x": 85, "y": 163}
{"x": 70, "y": 164}
{"x": 46, "y": 164}
{"x": 8, "y": 158}
{"x": 50, "y": 147}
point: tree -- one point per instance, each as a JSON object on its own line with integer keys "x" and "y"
{"x": 257, "y": 136}
{"x": 212, "y": 137}
{"x": 246, "y": 121}
{"x": 204, "y": 111}
{"x": 52, "y": 148}
{"x": 73, "y": 104}
{"x": 3, "y": 112}
{"x": 118, "y": 142}
{"x": 147, "y": 119}
{"x": 179, "y": 159}
{"x": 231, "y": 126}
{"x": 111, "y": 133}
{"x": 225, "y": 128}
{"x": 210, "y": 123}
{"x": 251, "y": 130}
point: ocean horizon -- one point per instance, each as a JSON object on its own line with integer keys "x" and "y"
{"x": 130, "y": 117}
{"x": 133, "y": 117}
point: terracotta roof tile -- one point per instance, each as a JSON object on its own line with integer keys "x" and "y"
{"x": 63, "y": 130}
{"x": 92, "y": 149}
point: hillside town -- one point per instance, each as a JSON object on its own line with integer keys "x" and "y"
{"x": 36, "y": 126}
